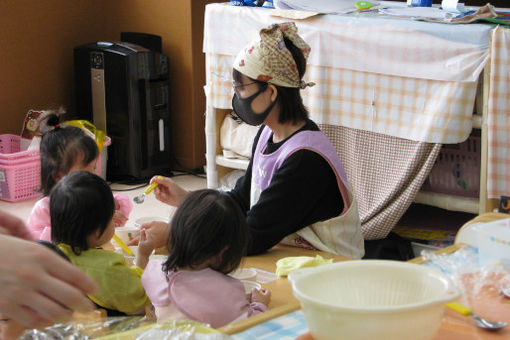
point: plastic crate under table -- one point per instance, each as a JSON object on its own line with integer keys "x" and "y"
{"x": 457, "y": 169}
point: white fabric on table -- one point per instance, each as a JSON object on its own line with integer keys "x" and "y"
{"x": 367, "y": 43}
{"x": 398, "y": 77}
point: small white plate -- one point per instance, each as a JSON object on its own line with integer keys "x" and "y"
{"x": 142, "y": 220}
{"x": 244, "y": 274}
{"x": 127, "y": 233}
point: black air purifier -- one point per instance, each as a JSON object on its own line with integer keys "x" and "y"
{"x": 123, "y": 89}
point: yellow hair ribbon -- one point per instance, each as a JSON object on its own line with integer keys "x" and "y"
{"x": 98, "y": 135}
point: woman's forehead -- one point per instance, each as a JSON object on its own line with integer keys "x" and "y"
{"x": 238, "y": 77}
{"x": 244, "y": 78}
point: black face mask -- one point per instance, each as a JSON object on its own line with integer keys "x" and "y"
{"x": 242, "y": 107}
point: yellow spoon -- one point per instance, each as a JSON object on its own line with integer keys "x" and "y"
{"x": 482, "y": 323}
{"x": 140, "y": 198}
{"x": 122, "y": 245}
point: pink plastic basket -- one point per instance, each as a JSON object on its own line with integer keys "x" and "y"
{"x": 103, "y": 157}
{"x": 19, "y": 170}
{"x": 457, "y": 169}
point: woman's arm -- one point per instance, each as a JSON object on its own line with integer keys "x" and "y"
{"x": 303, "y": 191}
{"x": 168, "y": 191}
{"x": 241, "y": 191}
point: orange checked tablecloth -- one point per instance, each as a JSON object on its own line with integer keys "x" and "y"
{"x": 408, "y": 79}
{"x": 498, "y": 168}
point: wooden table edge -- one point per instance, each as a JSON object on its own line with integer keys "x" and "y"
{"x": 259, "y": 318}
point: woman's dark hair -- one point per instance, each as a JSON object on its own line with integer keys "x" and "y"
{"x": 81, "y": 203}
{"x": 289, "y": 99}
{"x": 207, "y": 224}
{"x": 61, "y": 147}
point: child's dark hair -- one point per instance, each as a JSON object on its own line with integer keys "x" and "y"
{"x": 289, "y": 99}
{"x": 207, "y": 224}
{"x": 80, "y": 204}
{"x": 54, "y": 248}
{"x": 61, "y": 147}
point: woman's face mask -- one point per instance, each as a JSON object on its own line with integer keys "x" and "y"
{"x": 242, "y": 107}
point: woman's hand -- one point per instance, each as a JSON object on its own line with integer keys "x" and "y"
{"x": 263, "y": 296}
{"x": 168, "y": 191}
{"x": 37, "y": 286}
{"x": 157, "y": 231}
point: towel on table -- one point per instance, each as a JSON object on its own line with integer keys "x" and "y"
{"x": 288, "y": 264}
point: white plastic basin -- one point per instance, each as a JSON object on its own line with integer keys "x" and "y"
{"x": 372, "y": 299}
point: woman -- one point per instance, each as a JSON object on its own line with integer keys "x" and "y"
{"x": 295, "y": 189}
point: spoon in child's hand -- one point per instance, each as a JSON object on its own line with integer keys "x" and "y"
{"x": 140, "y": 198}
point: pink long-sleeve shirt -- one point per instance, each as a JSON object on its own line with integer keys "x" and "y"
{"x": 39, "y": 222}
{"x": 203, "y": 295}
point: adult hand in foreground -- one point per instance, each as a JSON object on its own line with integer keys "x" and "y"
{"x": 168, "y": 191}
{"x": 37, "y": 286}
{"x": 13, "y": 226}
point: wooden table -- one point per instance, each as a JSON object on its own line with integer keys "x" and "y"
{"x": 282, "y": 300}
{"x": 490, "y": 305}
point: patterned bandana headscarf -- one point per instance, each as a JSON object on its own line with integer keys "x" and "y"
{"x": 269, "y": 60}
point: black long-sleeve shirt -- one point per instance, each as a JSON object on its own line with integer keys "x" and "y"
{"x": 303, "y": 191}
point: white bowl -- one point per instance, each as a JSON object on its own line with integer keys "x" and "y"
{"x": 244, "y": 274}
{"x": 142, "y": 220}
{"x": 372, "y": 299}
{"x": 127, "y": 233}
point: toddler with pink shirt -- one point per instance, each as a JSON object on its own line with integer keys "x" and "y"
{"x": 207, "y": 240}
{"x": 65, "y": 149}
